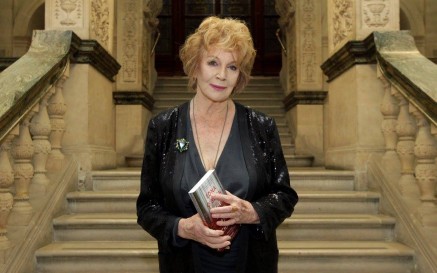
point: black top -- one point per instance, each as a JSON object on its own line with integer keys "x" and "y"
{"x": 232, "y": 172}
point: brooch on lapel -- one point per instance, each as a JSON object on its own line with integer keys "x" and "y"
{"x": 182, "y": 144}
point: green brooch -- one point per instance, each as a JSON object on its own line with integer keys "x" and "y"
{"x": 182, "y": 144}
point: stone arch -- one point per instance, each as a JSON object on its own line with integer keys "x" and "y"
{"x": 413, "y": 16}
{"x": 24, "y": 17}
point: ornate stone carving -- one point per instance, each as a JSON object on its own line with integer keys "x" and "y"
{"x": 375, "y": 13}
{"x": 68, "y": 13}
{"x": 130, "y": 41}
{"x": 100, "y": 21}
{"x": 308, "y": 61}
{"x": 286, "y": 10}
{"x": 342, "y": 20}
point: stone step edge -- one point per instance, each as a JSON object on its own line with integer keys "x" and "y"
{"x": 305, "y": 194}
{"x": 296, "y": 248}
{"x": 112, "y": 220}
{"x": 309, "y": 173}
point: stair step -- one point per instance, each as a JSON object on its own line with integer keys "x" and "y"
{"x": 318, "y": 202}
{"x": 333, "y": 227}
{"x": 122, "y": 179}
{"x": 321, "y": 179}
{"x": 345, "y": 257}
{"x": 337, "y": 227}
{"x": 301, "y": 256}
{"x": 128, "y": 179}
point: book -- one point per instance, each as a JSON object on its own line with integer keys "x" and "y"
{"x": 201, "y": 193}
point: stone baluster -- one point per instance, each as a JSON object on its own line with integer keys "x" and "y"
{"x": 56, "y": 110}
{"x": 22, "y": 152}
{"x": 6, "y": 197}
{"x": 406, "y": 130}
{"x": 40, "y": 129}
{"x": 390, "y": 110}
{"x": 425, "y": 150}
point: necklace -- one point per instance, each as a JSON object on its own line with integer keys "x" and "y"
{"x": 220, "y": 140}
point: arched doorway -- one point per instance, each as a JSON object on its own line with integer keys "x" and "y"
{"x": 179, "y": 18}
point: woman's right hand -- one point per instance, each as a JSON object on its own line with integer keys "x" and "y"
{"x": 193, "y": 228}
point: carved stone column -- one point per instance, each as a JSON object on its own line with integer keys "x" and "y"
{"x": 136, "y": 35}
{"x": 425, "y": 149}
{"x": 301, "y": 77}
{"x": 6, "y": 197}
{"x": 56, "y": 110}
{"x": 40, "y": 129}
{"x": 22, "y": 151}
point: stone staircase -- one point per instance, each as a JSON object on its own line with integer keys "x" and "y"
{"x": 334, "y": 229}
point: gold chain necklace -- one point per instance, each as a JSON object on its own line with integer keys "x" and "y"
{"x": 220, "y": 140}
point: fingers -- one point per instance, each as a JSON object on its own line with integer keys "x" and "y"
{"x": 193, "y": 228}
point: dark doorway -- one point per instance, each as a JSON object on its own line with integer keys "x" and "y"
{"x": 178, "y": 19}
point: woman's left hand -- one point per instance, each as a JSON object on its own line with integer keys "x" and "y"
{"x": 238, "y": 211}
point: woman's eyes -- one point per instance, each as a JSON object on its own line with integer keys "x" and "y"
{"x": 215, "y": 63}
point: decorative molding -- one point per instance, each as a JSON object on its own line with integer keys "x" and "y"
{"x": 304, "y": 98}
{"x": 352, "y": 53}
{"x": 308, "y": 33}
{"x": 91, "y": 52}
{"x": 134, "y": 98}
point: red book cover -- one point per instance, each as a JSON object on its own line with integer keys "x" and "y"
{"x": 201, "y": 193}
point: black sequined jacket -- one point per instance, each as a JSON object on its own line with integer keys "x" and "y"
{"x": 159, "y": 203}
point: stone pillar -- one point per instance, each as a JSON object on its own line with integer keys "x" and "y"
{"x": 354, "y": 121}
{"x": 136, "y": 35}
{"x": 301, "y": 77}
{"x": 90, "y": 131}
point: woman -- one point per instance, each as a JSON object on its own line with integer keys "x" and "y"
{"x": 214, "y": 132}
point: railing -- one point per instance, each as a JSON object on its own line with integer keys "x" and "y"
{"x": 31, "y": 127}
{"x": 409, "y": 109}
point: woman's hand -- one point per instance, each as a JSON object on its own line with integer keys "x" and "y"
{"x": 238, "y": 211}
{"x": 193, "y": 228}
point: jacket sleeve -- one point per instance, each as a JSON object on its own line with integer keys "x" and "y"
{"x": 277, "y": 201}
{"x": 151, "y": 212}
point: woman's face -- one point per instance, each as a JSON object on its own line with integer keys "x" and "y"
{"x": 217, "y": 74}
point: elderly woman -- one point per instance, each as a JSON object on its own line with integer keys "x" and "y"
{"x": 211, "y": 131}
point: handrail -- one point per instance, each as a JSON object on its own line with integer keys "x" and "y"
{"x": 156, "y": 42}
{"x": 404, "y": 66}
{"x": 22, "y": 86}
{"x": 280, "y": 41}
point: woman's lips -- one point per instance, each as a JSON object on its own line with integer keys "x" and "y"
{"x": 218, "y": 87}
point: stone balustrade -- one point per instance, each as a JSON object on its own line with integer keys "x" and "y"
{"x": 409, "y": 123}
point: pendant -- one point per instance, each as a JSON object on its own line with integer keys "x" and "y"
{"x": 182, "y": 144}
